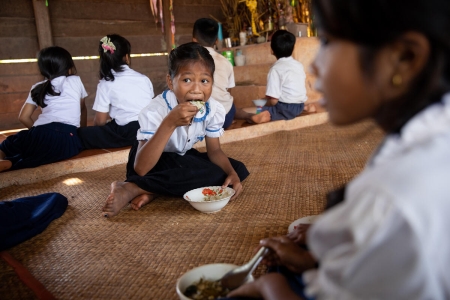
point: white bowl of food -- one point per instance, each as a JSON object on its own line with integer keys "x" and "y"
{"x": 203, "y": 281}
{"x": 260, "y": 102}
{"x": 209, "y": 199}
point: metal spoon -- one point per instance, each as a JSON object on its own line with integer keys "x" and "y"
{"x": 236, "y": 277}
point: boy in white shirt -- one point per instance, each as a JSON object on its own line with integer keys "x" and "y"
{"x": 286, "y": 90}
{"x": 205, "y": 33}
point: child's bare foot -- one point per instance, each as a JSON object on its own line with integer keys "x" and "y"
{"x": 262, "y": 117}
{"x": 142, "y": 200}
{"x": 121, "y": 194}
{"x": 5, "y": 165}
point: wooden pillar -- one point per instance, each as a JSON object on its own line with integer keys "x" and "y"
{"x": 167, "y": 29}
{"x": 42, "y": 19}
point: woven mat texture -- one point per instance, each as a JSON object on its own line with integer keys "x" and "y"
{"x": 140, "y": 254}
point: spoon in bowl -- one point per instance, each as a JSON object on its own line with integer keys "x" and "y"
{"x": 236, "y": 277}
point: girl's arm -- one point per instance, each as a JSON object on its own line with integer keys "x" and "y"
{"x": 150, "y": 151}
{"x": 25, "y": 115}
{"x": 83, "y": 115}
{"x": 100, "y": 118}
{"x": 216, "y": 155}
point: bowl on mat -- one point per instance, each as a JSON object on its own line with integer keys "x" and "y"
{"x": 259, "y": 102}
{"x": 209, "y": 199}
{"x": 210, "y": 272}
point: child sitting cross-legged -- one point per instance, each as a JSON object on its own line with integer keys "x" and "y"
{"x": 163, "y": 162}
{"x": 286, "y": 91}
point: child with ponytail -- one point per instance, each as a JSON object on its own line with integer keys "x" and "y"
{"x": 121, "y": 94}
{"x": 53, "y": 136}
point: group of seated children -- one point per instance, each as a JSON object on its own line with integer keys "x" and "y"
{"x": 383, "y": 239}
{"x": 60, "y": 130}
{"x": 123, "y": 93}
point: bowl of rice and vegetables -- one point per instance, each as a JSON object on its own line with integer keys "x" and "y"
{"x": 209, "y": 199}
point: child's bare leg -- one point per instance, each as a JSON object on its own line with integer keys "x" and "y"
{"x": 142, "y": 200}
{"x": 121, "y": 194}
{"x": 262, "y": 117}
{"x": 4, "y": 163}
{"x": 242, "y": 114}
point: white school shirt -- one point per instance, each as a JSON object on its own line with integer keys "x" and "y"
{"x": 223, "y": 79}
{"x": 389, "y": 239}
{"x": 208, "y": 122}
{"x": 64, "y": 108}
{"x": 124, "y": 97}
{"x": 286, "y": 81}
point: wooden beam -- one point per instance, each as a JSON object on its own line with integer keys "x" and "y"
{"x": 167, "y": 27}
{"x": 42, "y": 18}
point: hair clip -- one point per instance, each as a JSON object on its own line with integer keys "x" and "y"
{"x": 107, "y": 45}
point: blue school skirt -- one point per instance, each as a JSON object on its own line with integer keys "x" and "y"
{"x": 43, "y": 144}
{"x": 110, "y": 135}
{"x": 174, "y": 175}
{"x": 284, "y": 111}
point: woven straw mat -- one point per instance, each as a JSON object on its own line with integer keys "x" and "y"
{"x": 141, "y": 254}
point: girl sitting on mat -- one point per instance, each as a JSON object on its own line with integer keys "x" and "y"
{"x": 53, "y": 136}
{"x": 163, "y": 162}
{"x": 121, "y": 94}
{"x": 386, "y": 239}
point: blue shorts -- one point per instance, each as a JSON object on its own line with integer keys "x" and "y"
{"x": 284, "y": 111}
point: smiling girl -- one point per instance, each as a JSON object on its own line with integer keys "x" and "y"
{"x": 163, "y": 162}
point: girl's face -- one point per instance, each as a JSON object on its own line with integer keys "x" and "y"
{"x": 192, "y": 82}
{"x": 349, "y": 94}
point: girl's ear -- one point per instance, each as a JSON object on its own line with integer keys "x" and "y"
{"x": 410, "y": 55}
{"x": 126, "y": 59}
{"x": 169, "y": 82}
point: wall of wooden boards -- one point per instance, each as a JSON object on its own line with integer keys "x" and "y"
{"x": 78, "y": 25}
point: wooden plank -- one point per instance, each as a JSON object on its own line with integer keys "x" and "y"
{"x": 19, "y": 69}
{"x": 16, "y": 84}
{"x": 88, "y": 46}
{"x": 85, "y": 28}
{"x": 12, "y": 102}
{"x": 101, "y": 10}
{"x": 179, "y": 3}
{"x": 18, "y": 47}
{"x": 17, "y": 8}
{"x": 15, "y": 27}
{"x": 189, "y": 14}
{"x": 44, "y": 29}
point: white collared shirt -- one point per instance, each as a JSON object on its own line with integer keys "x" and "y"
{"x": 208, "y": 122}
{"x": 223, "y": 79}
{"x": 286, "y": 81}
{"x": 124, "y": 97}
{"x": 389, "y": 238}
{"x": 64, "y": 108}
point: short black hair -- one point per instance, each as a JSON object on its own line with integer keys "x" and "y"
{"x": 282, "y": 43}
{"x": 189, "y": 53}
{"x": 206, "y": 31}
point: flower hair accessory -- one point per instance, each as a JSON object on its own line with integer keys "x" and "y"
{"x": 107, "y": 45}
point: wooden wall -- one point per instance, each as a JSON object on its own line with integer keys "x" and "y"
{"x": 78, "y": 25}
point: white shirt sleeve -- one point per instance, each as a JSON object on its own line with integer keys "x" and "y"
{"x": 367, "y": 250}
{"x": 102, "y": 101}
{"x": 214, "y": 128}
{"x": 149, "y": 119}
{"x": 273, "y": 84}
